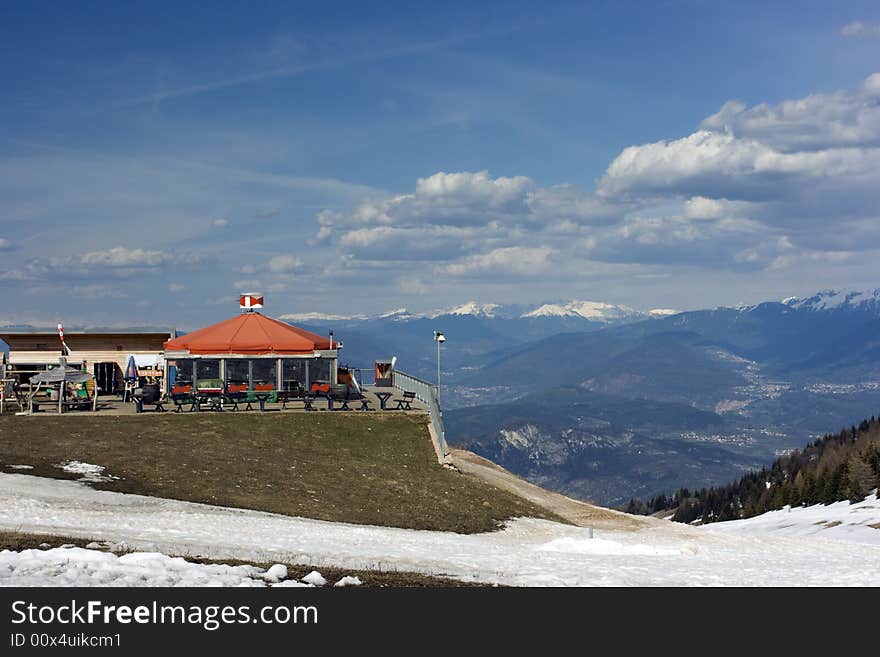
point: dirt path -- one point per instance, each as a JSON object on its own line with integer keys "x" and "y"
{"x": 576, "y": 512}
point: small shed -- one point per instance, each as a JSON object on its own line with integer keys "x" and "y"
{"x": 251, "y": 352}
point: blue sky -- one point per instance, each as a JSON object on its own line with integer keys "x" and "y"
{"x": 155, "y": 160}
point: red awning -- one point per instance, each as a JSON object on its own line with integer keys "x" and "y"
{"x": 249, "y": 333}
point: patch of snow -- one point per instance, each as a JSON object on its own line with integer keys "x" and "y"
{"x": 315, "y": 579}
{"x": 349, "y": 580}
{"x": 839, "y": 521}
{"x": 20, "y": 467}
{"x": 90, "y": 472}
{"x": 587, "y": 545}
{"x": 663, "y": 312}
{"x": 276, "y": 573}
{"x": 81, "y": 567}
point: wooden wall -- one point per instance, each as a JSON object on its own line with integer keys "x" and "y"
{"x": 92, "y": 348}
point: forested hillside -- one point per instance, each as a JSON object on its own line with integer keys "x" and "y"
{"x": 836, "y": 467}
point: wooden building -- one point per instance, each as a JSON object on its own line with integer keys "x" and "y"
{"x": 102, "y": 352}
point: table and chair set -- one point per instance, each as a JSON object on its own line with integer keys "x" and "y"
{"x": 337, "y": 398}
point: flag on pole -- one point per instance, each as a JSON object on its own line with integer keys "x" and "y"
{"x": 250, "y": 301}
{"x": 64, "y": 347}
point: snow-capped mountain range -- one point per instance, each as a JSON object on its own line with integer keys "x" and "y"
{"x": 838, "y": 300}
{"x": 594, "y": 311}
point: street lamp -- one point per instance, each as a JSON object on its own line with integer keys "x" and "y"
{"x": 439, "y": 338}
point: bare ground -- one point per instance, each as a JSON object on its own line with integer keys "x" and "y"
{"x": 576, "y": 512}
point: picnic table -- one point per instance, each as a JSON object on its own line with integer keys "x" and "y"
{"x": 383, "y": 399}
{"x": 211, "y": 396}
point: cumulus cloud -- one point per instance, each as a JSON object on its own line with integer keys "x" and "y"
{"x": 97, "y": 291}
{"x": 220, "y": 223}
{"x": 247, "y": 285}
{"x": 700, "y": 207}
{"x": 519, "y": 260}
{"x": 13, "y": 275}
{"x": 121, "y": 256}
{"x": 808, "y": 167}
{"x": 453, "y": 216}
{"x": 118, "y": 262}
{"x": 283, "y": 264}
{"x": 763, "y": 186}
{"x": 725, "y": 243}
{"x": 860, "y": 29}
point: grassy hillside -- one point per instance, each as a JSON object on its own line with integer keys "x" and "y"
{"x": 367, "y": 468}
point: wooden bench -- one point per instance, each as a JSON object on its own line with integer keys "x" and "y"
{"x": 180, "y": 399}
{"x": 405, "y": 404}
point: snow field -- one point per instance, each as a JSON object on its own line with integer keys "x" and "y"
{"x": 530, "y": 552}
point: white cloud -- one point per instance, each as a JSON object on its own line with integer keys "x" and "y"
{"x": 119, "y": 262}
{"x": 97, "y": 291}
{"x": 809, "y": 166}
{"x": 817, "y": 122}
{"x": 176, "y": 287}
{"x": 247, "y": 285}
{"x": 860, "y": 29}
{"x": 220, "y": 223}
{"x": 700, "y": 207}
{"x": 749, "y": 188}
{"x": 519, "y": 260}
{"x": 449, "y": 199}
{"x": 121, "y": 256}
{"x": 728, "y": 242}
{"x": 788, "y": 260}
{"x": 286, "y": 263}
{"x": 417, "y": 242}
{"x": 5, "y": 244}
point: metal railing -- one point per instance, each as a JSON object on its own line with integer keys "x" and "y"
{"x": 365, "y": 376}
{"x": 426, "y": 393}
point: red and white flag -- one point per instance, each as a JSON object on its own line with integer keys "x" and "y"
{"x": 250, "y": 301}
{"x": 64, "y": 347}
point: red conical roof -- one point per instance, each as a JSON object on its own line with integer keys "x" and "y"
{"x": 249, "y": 333}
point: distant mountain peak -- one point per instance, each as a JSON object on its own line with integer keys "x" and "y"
{"x": 597, "y": 311}
{"x": 837, "y": 299}
{"x": 399, "y": 315}
{"x": 471, "y": 308}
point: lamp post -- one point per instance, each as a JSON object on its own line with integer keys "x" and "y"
{"x": 439, "y": 338}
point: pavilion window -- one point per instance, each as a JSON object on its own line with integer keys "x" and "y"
{"x": 183, "y": 377}
{"x": 237, "y": 374}
{"x": 293, "y": 374}
{"x": 208, "y": 373}
{"x": 263, "y": 374}
{"x": 319, "y": 371}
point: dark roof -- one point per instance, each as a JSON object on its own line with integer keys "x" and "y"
{"x": 87, "y": 330}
